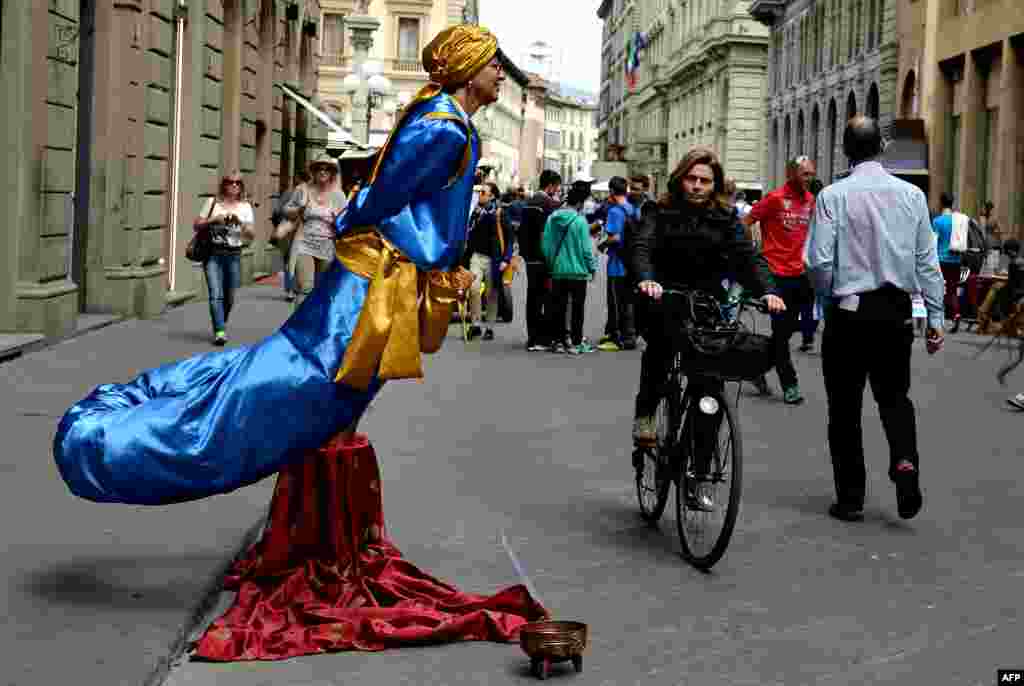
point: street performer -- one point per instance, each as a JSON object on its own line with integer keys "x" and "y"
{"x": 219, "y": 421}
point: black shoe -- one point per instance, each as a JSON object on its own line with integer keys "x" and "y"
{"x": 489, "y": 335}
{"x": 474, "y": 332}
{"x": 628, "y": 344}
{"x": 956, "y": 325}
{"x": 908, "y": 491}
{"x": 806, "y": 346}
{"x": 761, "y": 384}
{"x": 845, "y": 513}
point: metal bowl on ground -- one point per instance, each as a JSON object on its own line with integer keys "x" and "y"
{"x": 549, "y": 641}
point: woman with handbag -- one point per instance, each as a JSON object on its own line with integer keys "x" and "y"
{"x": 569, "y": 253}
{"x": 284, "y": 234}
{"x": 227, "y": 220}
{"x": 314, "y": 207}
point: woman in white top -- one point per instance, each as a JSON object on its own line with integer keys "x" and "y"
{"x": 229, "y": 219}
{"x": 316, "y": 205}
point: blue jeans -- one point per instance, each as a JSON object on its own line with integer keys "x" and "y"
{"x": 223, "y": 277}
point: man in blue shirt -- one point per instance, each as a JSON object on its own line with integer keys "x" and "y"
{"x": 619, "y": 332}
{"x": 949, "y": 262}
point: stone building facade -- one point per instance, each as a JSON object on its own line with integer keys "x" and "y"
{"x": 570, "y": 134}
{"x": 962, "y": 73}
{"x": 828, "y": 60}
{"x": 701, "y": 82}
{"x": 120, "y": 117}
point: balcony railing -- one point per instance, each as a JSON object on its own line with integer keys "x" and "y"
{"x": 405, "y": 66}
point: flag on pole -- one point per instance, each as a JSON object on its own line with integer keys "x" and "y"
{"x": 634, "y": 45}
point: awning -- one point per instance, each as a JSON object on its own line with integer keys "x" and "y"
{"x": 337, "y": 135}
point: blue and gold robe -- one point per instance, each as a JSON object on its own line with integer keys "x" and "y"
{"x": 221, "y": 420}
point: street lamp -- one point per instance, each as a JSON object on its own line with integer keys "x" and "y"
{"x": 368, "y": 80}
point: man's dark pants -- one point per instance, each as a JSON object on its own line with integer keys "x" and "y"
{"x": 620, "y": 326}
{"x": 796, "y": 292}
{"x": 537, "y": 304}
{"x": 872, "y": 345}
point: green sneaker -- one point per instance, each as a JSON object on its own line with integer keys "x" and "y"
{"x": 608, "y": 345}
{"x": 791, "y": 396}
{"x": 220, "y": 338}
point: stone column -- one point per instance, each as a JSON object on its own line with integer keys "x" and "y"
{"x": 363, "y": 28}
{"x": 1007, "y": 172}
{"x": 17, "y": 180}
{"x": 970, "y": 139}
{"x": 231, "y": 108}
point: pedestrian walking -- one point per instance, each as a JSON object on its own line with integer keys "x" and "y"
{"x": 569, "y": 253}
{"x": 284, "y": 235}
{"x": 870, "y": 248}
{"x": 489, "y": 255}
{"x": 315, "y": 207}
{"x": 533, "y": 220}
{"x": 811, "y": 312}
{"x": 784, "y": 215}
{"x": 622, "y": 216}
{"x": 229, "y": 219}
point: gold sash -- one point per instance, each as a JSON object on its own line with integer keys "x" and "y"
{"x": 406, "y": 311}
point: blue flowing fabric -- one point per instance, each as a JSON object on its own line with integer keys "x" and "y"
{"x": 222, "y": 420}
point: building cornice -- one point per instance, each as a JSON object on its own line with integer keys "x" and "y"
{"x": 768, "y": 12}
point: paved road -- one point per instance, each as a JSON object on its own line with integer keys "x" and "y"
{"x": 537, "y": 446}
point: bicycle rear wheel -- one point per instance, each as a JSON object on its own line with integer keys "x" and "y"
{"x": 707, "y": 504}
{"x": 653, "y": 465}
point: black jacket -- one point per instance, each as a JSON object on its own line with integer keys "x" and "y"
{"x": 533, "y": 217}
{"x": 694, "y": 248}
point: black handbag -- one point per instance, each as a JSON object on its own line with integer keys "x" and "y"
{"x": 201, "y": 245}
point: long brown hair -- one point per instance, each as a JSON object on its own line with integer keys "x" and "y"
{"x": 698, "y": 155}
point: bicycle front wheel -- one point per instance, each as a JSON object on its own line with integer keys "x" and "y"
{"x": 709, "y": 485}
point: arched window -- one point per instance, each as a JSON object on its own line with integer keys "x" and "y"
{"x": 815, "y": 132}
{"x": 851, "y": 106}
{"x": 872, "y": 105}
{"x": 800, "y": 144}
{"x": 773, "y": 150}
{"x": 908, "y": 103}
{"x": 830, "y": 153}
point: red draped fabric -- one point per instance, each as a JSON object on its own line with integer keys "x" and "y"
{"x": 324, "y": 576}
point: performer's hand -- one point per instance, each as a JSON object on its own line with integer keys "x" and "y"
{"x": 775, "y": 303}
{"x": 934, "y": 340}
{"x": 651, "y": 289}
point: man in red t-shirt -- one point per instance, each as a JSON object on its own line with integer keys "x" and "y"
{"x": 785, "y": 215}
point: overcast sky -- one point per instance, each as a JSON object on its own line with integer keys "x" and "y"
{"x": 571, "y": 27}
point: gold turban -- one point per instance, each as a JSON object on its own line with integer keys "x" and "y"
{"x": 452, "y": 58}
{"x": 458, "y": 53}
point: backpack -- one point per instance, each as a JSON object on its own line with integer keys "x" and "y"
{"x": 977, "y": 248}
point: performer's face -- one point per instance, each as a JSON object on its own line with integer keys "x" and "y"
{"x": 488, "y": 82}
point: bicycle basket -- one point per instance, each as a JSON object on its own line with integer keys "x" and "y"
{"x": 736, "y": 355}
{"x": 712, "y": 346}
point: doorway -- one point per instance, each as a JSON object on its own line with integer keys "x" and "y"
{"x": 83, "y": 148}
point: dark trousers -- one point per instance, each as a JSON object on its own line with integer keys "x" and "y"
{"x": 561, "y": 291}
{"x": 655, "y": 365}
{"x": 537, "y": 299}
{"x": 951, "y": 273}
{"x": 620, "y": 325}
{"x": 858, "y": 348}
{"x": 808, "y": 324}
{"x": 796, "y": 292}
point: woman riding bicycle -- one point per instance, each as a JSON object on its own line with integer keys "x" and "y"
{"x": 689, "y": 242}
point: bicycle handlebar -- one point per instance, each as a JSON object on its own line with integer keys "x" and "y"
{"x": 755, "y": 303}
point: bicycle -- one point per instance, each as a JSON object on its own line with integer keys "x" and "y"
{"x": 673, "y": 459}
